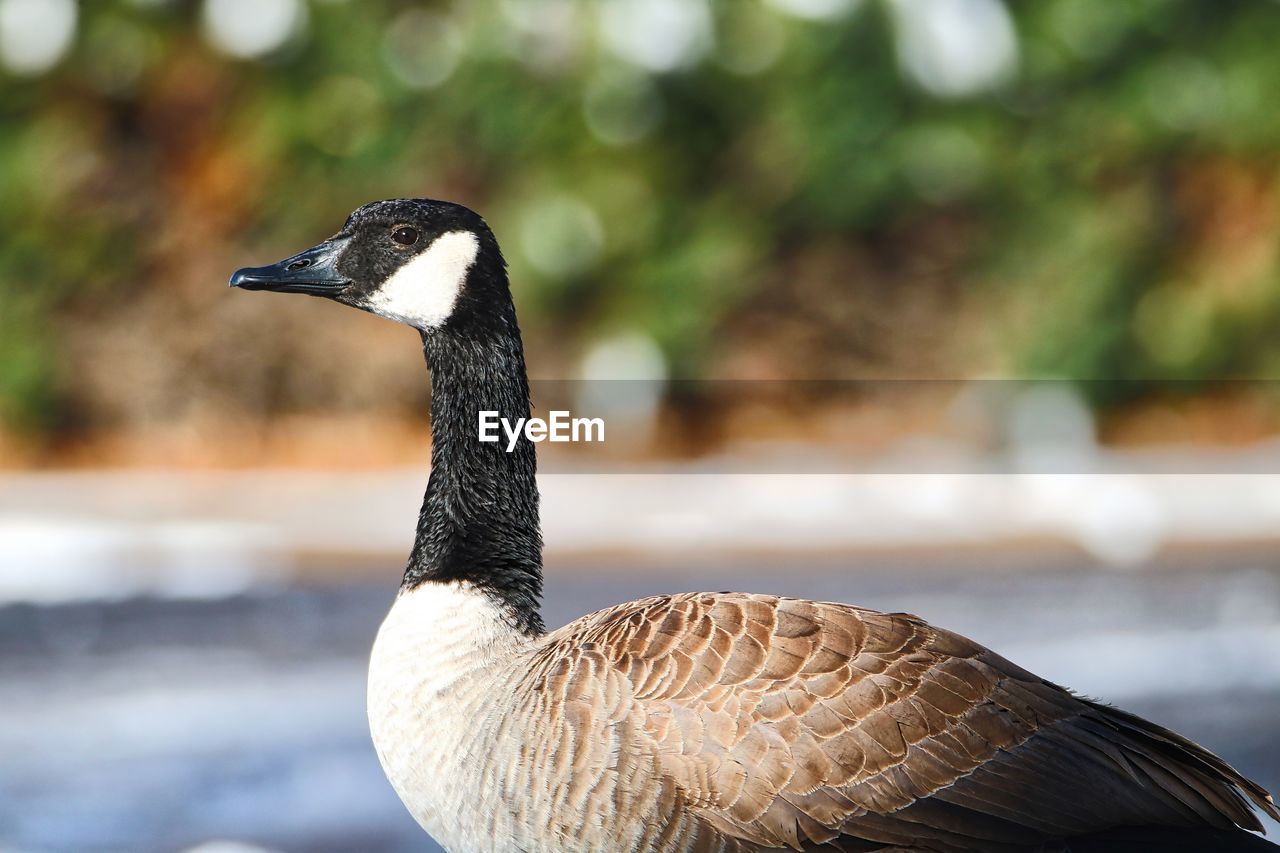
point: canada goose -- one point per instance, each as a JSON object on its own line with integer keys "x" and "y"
{"x": 696, "y": 722}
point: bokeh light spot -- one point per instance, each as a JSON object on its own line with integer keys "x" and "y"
{"x": 942, "y": 163}
{"x": 815, "y": 10}
{"x": 659, "y": 35}
{"x": 422, "y": 48}
{"x": 561, "y": 235}
{"x": 117, "y": 53}
{"x": 35, "y": 34}
{"x": 1089, "y": 28}
{"x": 750, "y": 40}
{"x": 544, "y": 33}
{"x": 955, "y": 48}
{"x": 1184, "y": 93}
{"x": 251, "y": 28}
{"x": 344, "y": 115}
{"x": 621, "y": 108}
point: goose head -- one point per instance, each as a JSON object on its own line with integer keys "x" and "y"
{"x": 425, "y": 263}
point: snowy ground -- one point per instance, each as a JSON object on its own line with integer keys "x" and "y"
{"x": 152, "y": 724}
{"x": 95, "y": 535}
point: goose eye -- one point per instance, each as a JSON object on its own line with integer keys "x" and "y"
{"x": 404, "y": 235}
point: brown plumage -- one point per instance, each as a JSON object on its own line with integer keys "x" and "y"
{"x": 781, "y": 723}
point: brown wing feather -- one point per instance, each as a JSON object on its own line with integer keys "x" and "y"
{"x": 789, "y": 723}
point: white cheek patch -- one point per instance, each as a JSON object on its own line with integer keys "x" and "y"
{"x": 423, "y": 291}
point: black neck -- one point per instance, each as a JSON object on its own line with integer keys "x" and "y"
{"x": 479, "y": 519}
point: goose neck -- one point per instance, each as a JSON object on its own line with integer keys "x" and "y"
{"x": 479, "y": 522}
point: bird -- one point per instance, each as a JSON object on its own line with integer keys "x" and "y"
{"x": 721, "y": 721}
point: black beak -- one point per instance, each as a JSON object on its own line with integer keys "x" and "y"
{"x": 313, "y": 271}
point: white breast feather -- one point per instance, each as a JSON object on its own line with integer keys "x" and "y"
{"x": 431, "y": 681}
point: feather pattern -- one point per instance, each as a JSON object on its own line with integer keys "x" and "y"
{"x": 730, "y": 722}
{"x": 791, "y": 723}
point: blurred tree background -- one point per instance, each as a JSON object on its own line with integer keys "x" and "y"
{"x": 1085, "y": 189}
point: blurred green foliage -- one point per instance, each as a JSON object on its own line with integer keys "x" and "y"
{"x": 1102, "y": 205}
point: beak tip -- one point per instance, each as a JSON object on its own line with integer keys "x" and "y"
{"x": 310, "y": 272}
